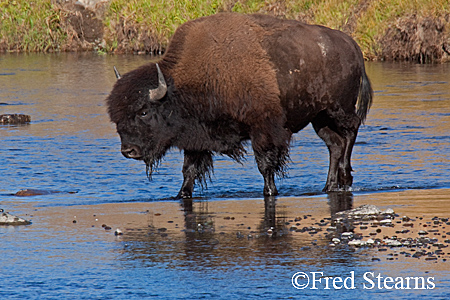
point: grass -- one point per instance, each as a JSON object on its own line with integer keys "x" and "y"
{"x": 133, "y": 25}
{"x": 31, "y": 26}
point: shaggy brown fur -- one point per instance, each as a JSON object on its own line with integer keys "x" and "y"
{"x": 235, "y": 77}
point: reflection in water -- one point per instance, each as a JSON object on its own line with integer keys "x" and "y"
{"x": 207, "y": 239}
{"x": 340, "y": 201}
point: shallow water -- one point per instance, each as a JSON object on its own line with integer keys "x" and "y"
{"x": 71, "y": 146}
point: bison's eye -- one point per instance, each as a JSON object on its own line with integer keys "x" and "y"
{"x": 143, "y": 113}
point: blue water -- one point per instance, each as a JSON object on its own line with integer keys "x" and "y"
{"x": 70, "y": 146}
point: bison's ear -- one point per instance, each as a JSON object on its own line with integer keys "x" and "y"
{"x": 158, "y": 93}
{"x": 117, "y": 73}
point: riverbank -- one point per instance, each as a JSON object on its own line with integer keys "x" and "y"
{"x": 385, "y": 30}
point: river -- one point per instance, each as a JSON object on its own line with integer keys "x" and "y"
{"x": 401, "y": 160}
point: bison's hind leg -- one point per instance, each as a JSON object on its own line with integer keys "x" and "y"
{"x": 338, "y": 129}
{"x": 197, "y": 166}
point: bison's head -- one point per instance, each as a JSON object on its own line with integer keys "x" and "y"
{"x": 138, "y": 107}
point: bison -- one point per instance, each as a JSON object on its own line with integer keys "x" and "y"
{"x": 229, "y": 78}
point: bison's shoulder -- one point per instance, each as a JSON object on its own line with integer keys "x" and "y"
{"x": 221, "y": 58}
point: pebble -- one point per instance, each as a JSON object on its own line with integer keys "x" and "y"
{"x": 393, "y": 243}
{"x": 356, "y": 243}
{"x": 370, "y": 242}
{"x": 386, "y": 222}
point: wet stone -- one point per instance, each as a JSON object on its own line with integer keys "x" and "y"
{"x": 8, "y": 219}
{"x": 336, "y": 240}
{"x": 37, "y": 192}
{"x": 14, "y": 119}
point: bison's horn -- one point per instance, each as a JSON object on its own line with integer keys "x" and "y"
{"x": 117, "y": 73}
{"x": 161, "y": 90}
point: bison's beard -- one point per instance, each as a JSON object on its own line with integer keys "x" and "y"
{"x": 152, "y": 160}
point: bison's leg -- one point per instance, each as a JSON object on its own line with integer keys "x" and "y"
{"x": 326, "y": 130}
{"x": 197, "y": 166}
{"x": 338, "y": 130}
{"x": 271, "y": 159}
{"x": 265, "y": 167}
{"x": 350, "y": 132}
{"x": 335, "y": 145}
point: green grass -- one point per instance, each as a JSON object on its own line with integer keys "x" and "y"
{"x": 129, "y": 25}
{"x": 156, "y": 18}
{"x": 31, "y": 26}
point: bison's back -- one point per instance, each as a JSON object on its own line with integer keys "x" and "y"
{"x": 257, "y": 67}
{"x": 317, "y": 67}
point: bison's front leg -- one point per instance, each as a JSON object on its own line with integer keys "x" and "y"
{"x": 197, "y": 166}
{"x": 267, "y": 170}
{"x": 271, "y": 147}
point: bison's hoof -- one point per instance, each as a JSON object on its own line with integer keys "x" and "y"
{"x": 183, "y": 195}
{"x": 336, "y": 188}
{"x": 268, "y": 192}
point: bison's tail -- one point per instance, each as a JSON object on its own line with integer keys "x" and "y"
{"x": 364, "y": 98}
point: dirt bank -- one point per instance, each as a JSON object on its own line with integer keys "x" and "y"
{"x": 404, "y": 32}
{"x": 417, "y": 39}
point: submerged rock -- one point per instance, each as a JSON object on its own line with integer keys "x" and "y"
{"x": 14, "y": 119}
{"x": 8, "y": 219}
{"x": 36, "y": 192}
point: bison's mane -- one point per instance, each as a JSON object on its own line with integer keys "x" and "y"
{"x": 221, "y": 71}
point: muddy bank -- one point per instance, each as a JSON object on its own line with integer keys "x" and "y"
{"x": 107, "y": 26}
{"x": 417, "y": 39}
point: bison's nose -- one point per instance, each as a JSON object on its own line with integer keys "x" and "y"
{"x": 131, "y": 151}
